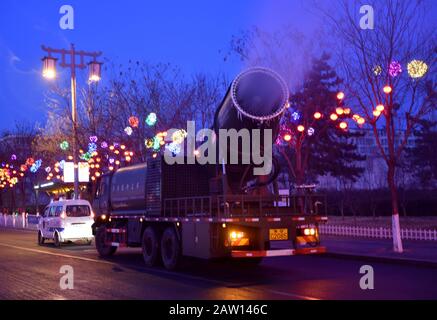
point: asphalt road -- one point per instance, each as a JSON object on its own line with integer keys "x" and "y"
{"x": 29, "y": 271}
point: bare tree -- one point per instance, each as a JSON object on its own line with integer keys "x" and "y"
{"x": 368, "y": 59}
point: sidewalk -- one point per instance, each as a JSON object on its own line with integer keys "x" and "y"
{"x": 415, "y": 252}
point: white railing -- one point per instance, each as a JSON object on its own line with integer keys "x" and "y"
{"x": 377, "y": 232}
{"x": 19, "y": 221}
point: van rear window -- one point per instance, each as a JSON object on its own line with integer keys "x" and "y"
{"x": 78, "y": 211}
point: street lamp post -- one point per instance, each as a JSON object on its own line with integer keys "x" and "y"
{"x": 49, "y": 71}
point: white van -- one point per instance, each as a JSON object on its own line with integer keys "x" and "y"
{"x": 67, "y": 220}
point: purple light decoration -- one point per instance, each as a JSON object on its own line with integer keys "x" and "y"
{"x": 295, "y": 115}
{"x": 93, "y": 139}
{"x": 394, "y": 69}
{"x": 14, "y": 157}
{"x": 104, "y": 144}
{"x": 111, "y": 160}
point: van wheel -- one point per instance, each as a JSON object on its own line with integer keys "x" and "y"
{"x": 41, "y": 239}
{"x": 170, "y": 248}
{"x": 150, "y": 246}
{"x": 103, "y": 249}
{"x": 57, "y": 240}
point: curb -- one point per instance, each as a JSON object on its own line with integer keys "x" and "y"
{"x": 18, "y": 229}
{"x": 391, "y": 260}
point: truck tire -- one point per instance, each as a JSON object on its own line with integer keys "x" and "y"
{"x": 170, "y": 248}
{"x": 150, "y": 246}
{"x": 103, "y": 249}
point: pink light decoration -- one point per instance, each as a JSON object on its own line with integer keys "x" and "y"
{"x": 394, "y": 69}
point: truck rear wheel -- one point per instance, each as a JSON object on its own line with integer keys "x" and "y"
{"x": 150, "y": 246}
{"x": 170, "y": 248}
{"x": 103, "y": 249}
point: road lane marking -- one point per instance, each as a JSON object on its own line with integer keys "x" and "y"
{"x": 56, "y": 254}
{"x": 163, "y": 272}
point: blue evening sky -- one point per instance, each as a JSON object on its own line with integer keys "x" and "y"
{"x": 187, "y": 33}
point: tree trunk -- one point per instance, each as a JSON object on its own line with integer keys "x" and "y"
{"x": 396, "y": 230}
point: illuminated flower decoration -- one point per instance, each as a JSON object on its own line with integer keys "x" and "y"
{"x": 64, "y": 145}
{"x": 174, "y": 148}
{"x": 35, "y": 166}
{"x": 30, "y": 161}
{"x": 179, "y": 136}
{"x": 134, "y": 122}
{"x": 417, "y": 69}
{"x": 377, "y": 70}
{"x": 156, "y": 143}
{"x": 151, "y": 119}
{"x": 86, "y": 156}
{"x": 48, "y": 169}
{"x": 295, "y": 115}
{"x": 93, "y": 139}
{"x": 13, "y": 157}
{"x": 148, "y": 143}
{"x": 310, "y": 131}
{"x": 104, "y": 145}
{"x": 23, "y": 167}
{"x": 92, "y": 147}
{"x": 394, "y": 69}
{"x": 111, "y": 160}
{"x": 116, "y": 144}
{"x": 128, "y": 131}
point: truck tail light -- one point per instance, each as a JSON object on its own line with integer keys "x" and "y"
{"x": 234, "y": 235}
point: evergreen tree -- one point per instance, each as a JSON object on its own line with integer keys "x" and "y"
{"x": 421, "y": 157}
{"x": 320, "y": 147}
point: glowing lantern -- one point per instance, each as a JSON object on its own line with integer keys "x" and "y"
{"x": 287, "y": 137}
{"x": 347, "y": 110}
{"x": 333, "y": 117}
{"x": 343, "y": 125}
{"x": 340, "y": 95}
{"x": 361, "y": 121}
{"x": 387, "y": 89}
{"x": 300, "y": 128}
{"x": 380, "y": 108}
{"x": 339, "y": 110}
{"x": 317, "y": 115}
{"x": 376, "y": 113}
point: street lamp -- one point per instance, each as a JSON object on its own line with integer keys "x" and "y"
{"x": 49, "y": 72}
{"x": 49, "y": 67}
{"x": 94, "y": 71}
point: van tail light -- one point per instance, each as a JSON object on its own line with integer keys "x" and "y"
{"x": 63, "y": 215}
{"x": 92, "y": 214}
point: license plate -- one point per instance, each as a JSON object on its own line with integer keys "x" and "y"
{"x": 278, "y": 234}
